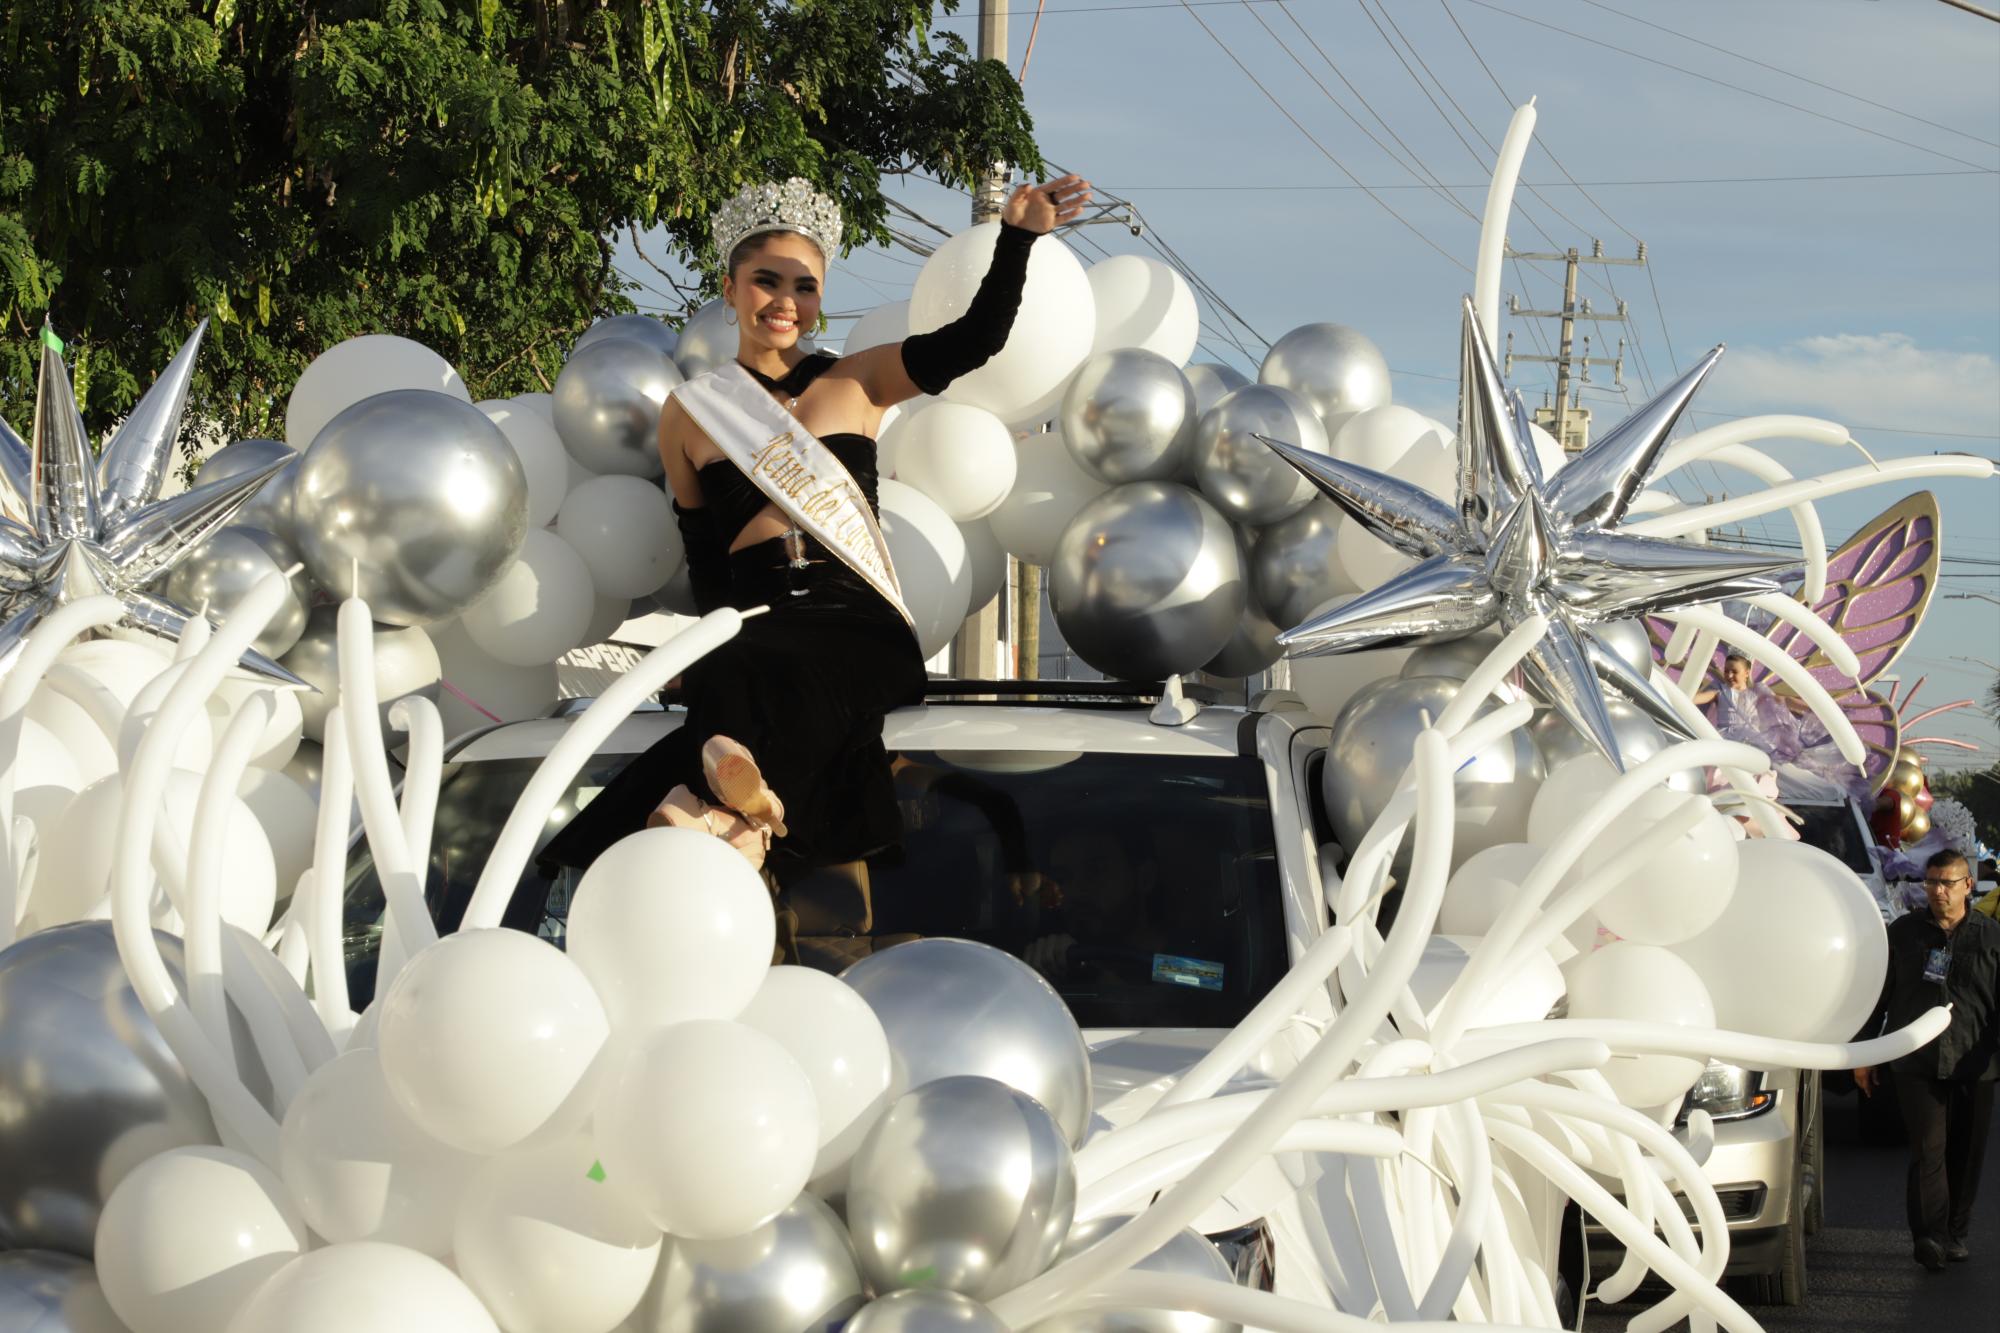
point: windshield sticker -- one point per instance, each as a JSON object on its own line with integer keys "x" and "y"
{"x": 1196, "y": 972}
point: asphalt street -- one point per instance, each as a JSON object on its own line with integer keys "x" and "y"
{"x": 1861, "y": 1278}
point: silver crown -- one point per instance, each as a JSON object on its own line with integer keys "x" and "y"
{"x": 793, "y": 206}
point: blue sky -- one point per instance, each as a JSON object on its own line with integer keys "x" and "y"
{"x": 1869, "y": 294}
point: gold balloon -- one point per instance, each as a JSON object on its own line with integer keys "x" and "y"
{"x": 1907, "y": 776}
{"x": 1906, "y": 811}
{"x": 1917, "y": 825}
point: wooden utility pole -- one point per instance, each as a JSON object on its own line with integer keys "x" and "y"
{"x": 976, "y": 654}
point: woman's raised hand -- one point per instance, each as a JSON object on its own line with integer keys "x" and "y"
{"x": 1042, "y": 208}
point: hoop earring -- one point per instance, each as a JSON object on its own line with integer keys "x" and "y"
{"x": 729, "y": 316}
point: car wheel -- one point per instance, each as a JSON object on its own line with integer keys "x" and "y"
{"x": 1786, "y": 1286}
{"x": 1812, "y": 1166}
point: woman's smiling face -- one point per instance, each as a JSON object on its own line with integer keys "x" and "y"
{"x": 774, "y": 288}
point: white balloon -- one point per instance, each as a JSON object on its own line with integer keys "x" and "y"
{"x": 1547, "y": 452}
{"x": 1052, "y": 333}
{"x": 1800, "y": 951}
{"x": 189, "y": 1236}
{"x": 287, "y": 813}
{"x": 988, "y": 561}
{"x": 625, "y": 531}
{"x": 928, "y": 552}
{"x": 42, "y": 760}
{"x": 1327, "y": 683}
{"x": 1570, "y": 786}
{"x": 1050, "y": 489}
{"x": 1366, "y": 559}
{"x": 281, "y": 735}
{"x": 76, "y": 855}
{"x": 709, "y": 1126}
{"x": 961, "y": 457}
{"x": 533, "y": 434}
{"x": 1677, "y": 892}
{"x": 1380, "y": 437}
{"x": 605, "y": 617}
{"x": 364, "y": 1285}
{"x": 485, "y": 1034}
{"x": 539, "y": 608}
{"x": 347, "y": 372}
{"x": 671, "y": 924}
{"x": 708, "y": 339}
{"x": 835, "y": 1036}
{"x": 886, "y": 323}
{"x": 1525, "y": 995}
{"x": 82, "y": 742}
{"x": 360, "y": 1169}
{"x": 1482, "y": 888}
{"x": 549, "y": 1246}
{"x": 106, "y": 677}
{"x": 197, "y": 744}
{"x": 1142, "y": 302}
{"x": 1642, "y": 983}
{"x": 481, "y": 691}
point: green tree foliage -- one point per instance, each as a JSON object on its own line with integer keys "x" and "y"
{"x": 455, "y": 171}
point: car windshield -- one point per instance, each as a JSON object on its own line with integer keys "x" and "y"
{"x": 1144, "y": 887}
{"x": 1835, "y": 830}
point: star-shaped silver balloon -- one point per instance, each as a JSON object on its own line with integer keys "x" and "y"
{"x": 72, "y": 526}
{"x": 1518, "y": 544}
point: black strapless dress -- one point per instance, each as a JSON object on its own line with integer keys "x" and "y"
{"x": 804, "y": 686}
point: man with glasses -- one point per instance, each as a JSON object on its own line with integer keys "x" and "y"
{"x": 1948, "y": 955}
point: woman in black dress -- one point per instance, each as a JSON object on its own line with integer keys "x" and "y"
{"x": 782, "y": 747}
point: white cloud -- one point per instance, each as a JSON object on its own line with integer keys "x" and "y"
{"x": 1877, "y": 379}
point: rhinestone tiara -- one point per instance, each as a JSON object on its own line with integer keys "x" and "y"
{"x": 792, "y": 206}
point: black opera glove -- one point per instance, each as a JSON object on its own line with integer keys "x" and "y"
{"x": 933, "y": 360}
{"x": 707, "y": 558}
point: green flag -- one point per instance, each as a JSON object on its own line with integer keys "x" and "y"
{"x": 50, "y": 341}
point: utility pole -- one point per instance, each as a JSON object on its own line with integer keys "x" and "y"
{"x": 976, "y": 652}
{"x": 1568, "y": 419}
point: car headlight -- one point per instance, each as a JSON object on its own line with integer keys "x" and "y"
{"x": 1728, "y": 1092}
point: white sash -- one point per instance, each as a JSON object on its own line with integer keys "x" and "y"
{"x": 793, "y": 469}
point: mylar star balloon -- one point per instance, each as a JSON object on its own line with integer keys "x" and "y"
{"x": 72, "y": 526}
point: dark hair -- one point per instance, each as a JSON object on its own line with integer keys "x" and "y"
{"x": 1945, "y": 856}
{"x": 754, "y": 242}
{"x": 1736, "y": 655}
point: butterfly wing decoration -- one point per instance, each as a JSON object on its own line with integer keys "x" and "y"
{"x": 1878, "y": 586}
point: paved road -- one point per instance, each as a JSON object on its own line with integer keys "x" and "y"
{"x": 1861, "y": 1278}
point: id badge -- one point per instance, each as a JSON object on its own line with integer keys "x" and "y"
{"x": 1936, "y": 964}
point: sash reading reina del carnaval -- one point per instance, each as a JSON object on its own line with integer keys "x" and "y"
{"x": 794, "y": 471}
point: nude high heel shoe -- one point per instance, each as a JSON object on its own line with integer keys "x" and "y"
{"x": 683, "y": 809}
{"x": 739, "y": 784}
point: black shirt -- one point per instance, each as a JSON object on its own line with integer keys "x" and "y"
{"x": 1970, "y": 1048}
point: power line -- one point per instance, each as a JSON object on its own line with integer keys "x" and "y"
{"x": 1557, "y": 185}
{"x": 1723, "y": 83}
{"x": 1324, "y": 151}
{"x": 1790, "y": 74}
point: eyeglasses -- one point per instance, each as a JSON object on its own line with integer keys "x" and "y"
{"x": 1930, "y": 883}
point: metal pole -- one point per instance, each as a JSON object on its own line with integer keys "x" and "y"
{"x": 1562, "y": 366}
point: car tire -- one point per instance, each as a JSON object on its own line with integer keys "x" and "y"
{"x": 1812, "y": 1170}
{"x": 1786, "y": 1286}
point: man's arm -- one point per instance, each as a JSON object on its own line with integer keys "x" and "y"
{"x": 1867, "y": 1079}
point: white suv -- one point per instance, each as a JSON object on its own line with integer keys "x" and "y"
{"x": 1161, "y": 867}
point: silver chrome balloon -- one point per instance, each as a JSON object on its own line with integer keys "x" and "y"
{"x": 1628, "y": 639}
{"x": 406, "y": 662}
{"x": 1188, "y": 1254}
{"x": 1293, "y": 568}
{"x": 1518, "y": 546}
{"x": 708, "y": 339}
{"x": 1237, "y": 471}
{"x": 1147, "y": 581}
{"x": 964, "y": 1184}
{"x": 607, "y": 406}
{"x": 45, "y": 1292}
{"x": 1375, "y": 737}
{"x": 655, "y": 333}
{"x": 795, "y": 1272}
{"x": 918, "y": 1311}
{"x": 1638, "y": 739}
{"x": 73, "y": 527}
{"x": 1129, "y": 415}
{"x": 304, "y": 768}
{"x": 220, "y": 573}
{"x": 1454, "y": 659}
{"x": 1336, "y": 369}
{"x": 270, "y": 508}
{"x": 412, "y": 501}
{"x": 1210, "y": 381}
{"x": 91, "y": 1088}
{"x": 1254, "y": 647}
{"x": 956, "y": 1007}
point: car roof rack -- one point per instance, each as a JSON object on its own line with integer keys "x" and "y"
{"x": 1066, "y": 693}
